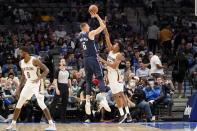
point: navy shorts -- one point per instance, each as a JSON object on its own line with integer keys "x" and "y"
{"x": 92, "y": 66}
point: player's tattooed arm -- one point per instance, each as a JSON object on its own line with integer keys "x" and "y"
{"x": 43, "y": 67}
{"x": 102, "y": 26}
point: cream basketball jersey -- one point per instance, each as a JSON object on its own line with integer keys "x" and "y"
{"x": 30, "y": 71}
{"x": 111, "y": 58}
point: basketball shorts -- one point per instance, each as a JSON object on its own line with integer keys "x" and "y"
{"x": 114, "y": 84}
{"x": 31, "y": 89}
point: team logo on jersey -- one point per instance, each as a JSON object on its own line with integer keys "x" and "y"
{"x": 109, "y": 58}
{"x": 28, "y": 68}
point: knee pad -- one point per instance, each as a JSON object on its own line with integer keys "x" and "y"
{"x": 21, "y": 102}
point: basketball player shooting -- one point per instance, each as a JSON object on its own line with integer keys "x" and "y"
{"x": 113, "y": 60}
{"x": 91, "y": 64}
{"x": 31, "y": 81}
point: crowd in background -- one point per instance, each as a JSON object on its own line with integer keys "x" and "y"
{"x": 169, "y": 43}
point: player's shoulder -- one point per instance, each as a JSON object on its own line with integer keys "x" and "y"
{"x": 120, "y": 56}
{"x": 21, "y": 62}
{"x": 35, "y": 59}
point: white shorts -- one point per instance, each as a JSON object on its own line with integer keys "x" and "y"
{"x": 31, "y": 89}
{"x": 114, "y": 84}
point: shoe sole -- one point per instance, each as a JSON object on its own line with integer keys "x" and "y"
{"x": 129, "y": 121}
{"x": 123, "y": 120}
{"x": 10, "y": 129}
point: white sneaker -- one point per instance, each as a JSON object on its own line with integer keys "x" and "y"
{"x": 51, "y": 127}
{"x": 11, "y": 127}
{"x": 195, "y": 129}
{"x": 88, "y": 108}
{"x": 153, "y": 118}
{"x": 105, "y": 104}
{"x": 87, "y": 121}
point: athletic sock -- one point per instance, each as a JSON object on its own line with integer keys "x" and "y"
{"x": 127, "y": 110}
{"x": 13, "y": 122}
{"x": 121, "y": 111}
{"x": 87, "y": 101}
{"x": 50, "y": 122}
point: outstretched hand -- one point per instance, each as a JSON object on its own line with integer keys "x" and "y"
{"x": 93, "y": 15}
{"x": 101, "y": 59}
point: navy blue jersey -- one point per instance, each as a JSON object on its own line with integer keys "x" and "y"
{"x": 89, "y": 48}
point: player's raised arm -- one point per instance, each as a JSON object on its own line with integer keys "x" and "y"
{"x": 102, "y": 26}
{"x": 107, "y": 39}
{"x": 43, "y": 67}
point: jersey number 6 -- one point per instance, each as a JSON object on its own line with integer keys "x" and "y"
{"x": 84, "y": 46}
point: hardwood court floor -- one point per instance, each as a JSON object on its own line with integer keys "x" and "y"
{"x": 99, "y": 127}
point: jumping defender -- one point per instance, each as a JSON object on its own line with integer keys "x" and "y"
{"x": 113, "y": 60}
{"x": 31, "y": 81}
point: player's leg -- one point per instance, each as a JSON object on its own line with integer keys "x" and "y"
{"x": 89, "y": 75}
{"x": 42, "y": 105}
{"x": 129, "y": 118}
{"x": 25, "y": 95}
{"x": 118, "y": 99}
{"x": 99, "y": 75}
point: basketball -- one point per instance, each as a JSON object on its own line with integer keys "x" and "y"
{"x": 93, "y": 8}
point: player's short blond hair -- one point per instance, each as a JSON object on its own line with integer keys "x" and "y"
{"x": 82, "y": 25}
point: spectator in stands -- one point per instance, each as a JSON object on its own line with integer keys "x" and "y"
{"x": 135, "y": 60}
{"x": 60, "y": 33}
{"x": 75, "y": 88}
{"x": 4, "y": 110}
{"x": 63, "y": 83}
{"x": 143, "y": 71}
{"x": 49, "y": 92}
{"x": 156, "y": 65}
{"x": 153, "y": 37}
{"x": 195, "y": 44}
{"x": 165, "y": 39}
{"x": 9, "y": 66}
{"x": 193, "y": 72}
{"x": 180, "y": 38}
{"x": 49, "y": 62}
{"x": 152, "y": 93}
{"x": 72, "y": 60}
{"x": 127, "y": 71}
{"x": 136, "y": 97}
{"x": 179, "y": 71}
{"x": 167, "y": 89}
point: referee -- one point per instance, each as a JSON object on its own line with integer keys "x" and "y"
{"x": 62, "y": 83}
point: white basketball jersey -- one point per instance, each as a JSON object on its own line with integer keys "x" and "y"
{"x": 111, "y": 58}
{"x": 30, "y": 71}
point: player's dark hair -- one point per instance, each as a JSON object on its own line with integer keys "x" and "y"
{"x": 25, "y": 49}
{"x": 120, "y": 45}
